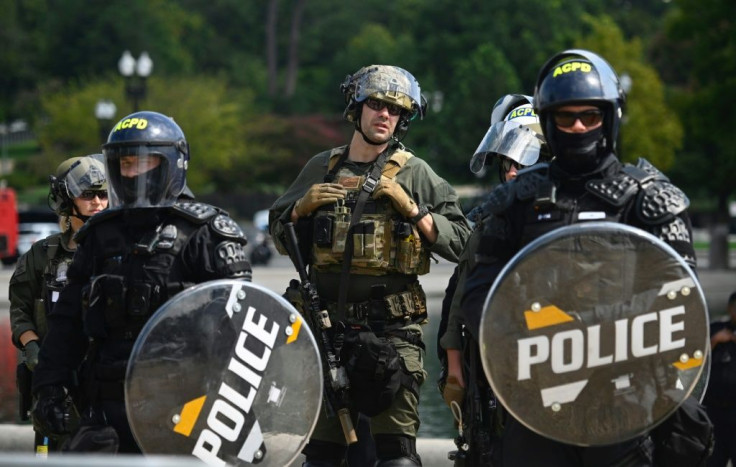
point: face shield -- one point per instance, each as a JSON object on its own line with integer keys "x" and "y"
{"x": 510, "y": 139}
{"x": 143, "y": 175}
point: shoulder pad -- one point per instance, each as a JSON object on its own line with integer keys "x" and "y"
{"x": 475, "y": 214}
{"x": 529, "y": 179}
{"x": 619, "y": 188}
{"x": 101, "y": 216}
{"x": 199, "y": 213}
{"x": 659, "y": 202}
{"x": 654, "y": 172}
{"x": 226, "y": 226}
{"x": 498, "y": 199}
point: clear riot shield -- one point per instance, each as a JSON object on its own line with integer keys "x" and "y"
{"x": 226, "y": 371}
{"x": 594, "y": 333}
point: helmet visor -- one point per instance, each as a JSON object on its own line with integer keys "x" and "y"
{"x": 510, "y": 139}
{"x": 139, "y": 175}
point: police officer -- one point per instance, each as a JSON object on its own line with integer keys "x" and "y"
{"x": 513, "y": 141}
{"x": 77, "y": 191}
{"x": 131, "y": 259}
{"x": 580, "y": 104}
{"x": 410, "y": 213}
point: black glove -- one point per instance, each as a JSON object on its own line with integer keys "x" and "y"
{"x": 30, "y": 354}
{"x": 52, "y": 412}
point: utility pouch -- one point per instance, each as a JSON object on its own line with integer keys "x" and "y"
{"x": 112, "y": 294}
{"x": 323, "y": 231}
{"x": 374, "y": 369}
{"x": 39, "y": 317}
{"x": 140, "y": 299}
{"x": 341, "y": 235}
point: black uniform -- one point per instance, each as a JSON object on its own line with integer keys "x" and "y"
{"x": 544, "y": 198}
{"x": 128, "y": 263}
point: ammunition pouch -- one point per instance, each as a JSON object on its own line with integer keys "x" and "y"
{"x": 374, "y": 369}
{"x": 381, "y": 242}
{"x": 402, "y": 308}
{"x": 124, "y": 307}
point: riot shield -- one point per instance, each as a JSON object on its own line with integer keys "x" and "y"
{"x": 226, "y": 371}
{"x": 594, "y": 333}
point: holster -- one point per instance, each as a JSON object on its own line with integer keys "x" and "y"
{"x": 24, "y": 381}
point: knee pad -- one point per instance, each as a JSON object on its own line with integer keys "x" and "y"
{"x": 397, "y": 451}
{"x": 323, "y": 454}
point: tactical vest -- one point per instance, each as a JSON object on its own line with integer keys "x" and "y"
{"x": 133, "y": 277}
{"x": 383, "y": 241}
{"x": 54, "y": 279}
{"x": 638, "y": 195}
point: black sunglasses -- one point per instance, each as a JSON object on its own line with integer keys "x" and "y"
{"x": 89, "y": 195}
{"x": 507, "y": 163}
{"x": 378, "y": 105}
{"x": 588, "y": 118}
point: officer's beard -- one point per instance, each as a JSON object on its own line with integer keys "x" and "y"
{"x": 369, "y": 141}
{"x": 578, "y": 153}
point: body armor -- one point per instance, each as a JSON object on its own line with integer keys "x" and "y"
{"x": 384, "y": 242}
{"x": 136, "y": 274}
{"x": 54, "y": 279}
{"x": 637, "y": 195}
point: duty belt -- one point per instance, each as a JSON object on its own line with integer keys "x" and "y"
{"x": 409, "y": 306}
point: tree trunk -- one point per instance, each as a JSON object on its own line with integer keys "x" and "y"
{"x": 292, "y": 72}
{"x": 718, "y": 253}
{"x": 271, "y": 47}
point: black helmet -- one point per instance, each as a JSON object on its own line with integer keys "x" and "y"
{"x": 386, "y": 83}
{"x": 579, "y": 77}
{"x": 157, "y": 144}
{"x": 514, "y": 133}
{"x": 72, "y": 178}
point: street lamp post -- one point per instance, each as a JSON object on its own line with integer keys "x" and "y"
{"x": 135, "y": 73}
{"x": 104, "y": 112}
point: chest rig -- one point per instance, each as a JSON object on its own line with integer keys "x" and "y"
{"x": 383, "y": 241}
{"x": 54, "y": 272}
{"x": 136, "y": 271}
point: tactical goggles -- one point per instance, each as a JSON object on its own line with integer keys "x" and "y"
{"x": 378, "y": 105}
{"x": 89, "y": 195}
{"x": 588, "y": 118}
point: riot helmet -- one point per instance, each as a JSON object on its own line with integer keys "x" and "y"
{"x": 72, "y": 179}
{"x": 579, "y": 77}
{"x": 386, "y": 83}
{"x": 514, "y": 136}
{"x": 147, "y": 157}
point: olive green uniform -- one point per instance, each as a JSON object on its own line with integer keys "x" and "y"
{"x": 37, "y": 280}
{"x": 452, "y": 338}
{"x": 39, "y": 276}
{"x": 384, "y": 262}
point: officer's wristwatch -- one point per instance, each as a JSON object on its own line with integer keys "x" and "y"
{"x": 423, "y": 211}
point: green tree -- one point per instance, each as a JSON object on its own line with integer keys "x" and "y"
{"x": 650, "y": 128}
{"x": 703, "y": 42}
{"x": 210, "y": 115}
